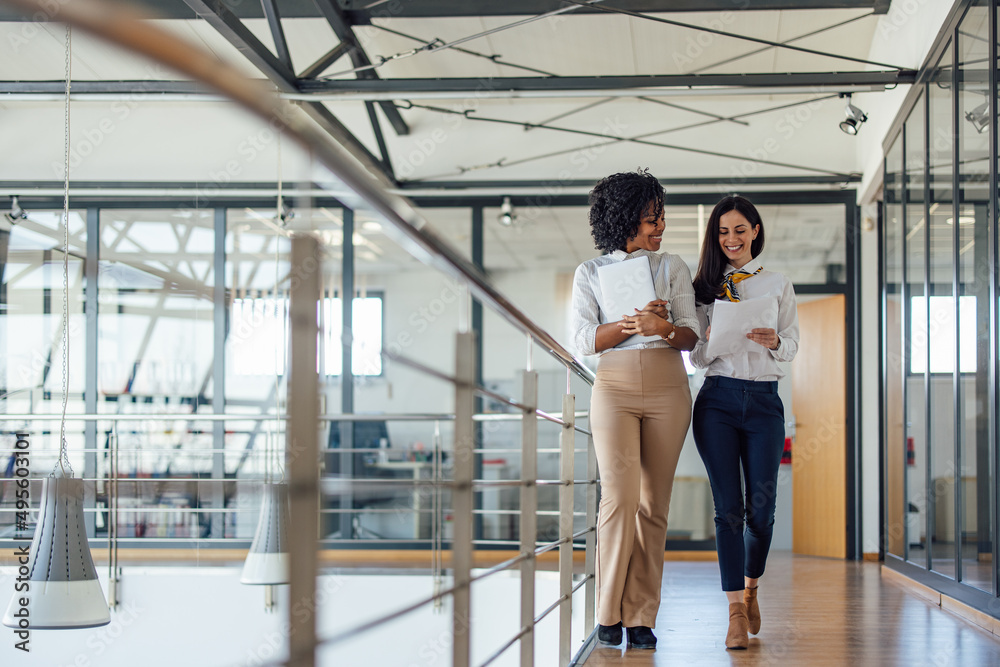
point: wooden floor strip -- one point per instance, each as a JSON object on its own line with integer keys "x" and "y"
{"x": 815, "y": 611}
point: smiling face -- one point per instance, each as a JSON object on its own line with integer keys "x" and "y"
{"x": 736, "y": 236}
{"x": 650, "y": 232}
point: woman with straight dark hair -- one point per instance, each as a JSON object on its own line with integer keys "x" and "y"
{"x": 641, "y": 404}
{"x": 739, "y": 420}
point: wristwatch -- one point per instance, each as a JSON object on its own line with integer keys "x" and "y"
{"x": 670, "y": 336}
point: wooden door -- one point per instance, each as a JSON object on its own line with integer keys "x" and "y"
{"x": 819, "y": 465}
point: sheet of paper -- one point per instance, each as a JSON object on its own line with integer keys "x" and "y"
{"x": 625, "y": 286}
{"x": 731, "y": 322}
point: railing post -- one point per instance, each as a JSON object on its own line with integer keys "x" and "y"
{"x": 566, "y": 446}
{"x": 302, "y": 449}
{"x": 590, "y": 562}
{"x": 529, "y": 517}
{"x": 461, "y": 559}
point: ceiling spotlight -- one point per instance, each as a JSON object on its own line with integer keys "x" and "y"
{"x": 979, "y": 117}
{"x": 855, "y": 117}
{"x": 507, "y": 216}
{"x": 16, "y": 212}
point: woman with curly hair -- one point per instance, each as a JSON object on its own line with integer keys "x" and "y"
{"x": 641, "y": 404}
{"x": 739, "y": 421}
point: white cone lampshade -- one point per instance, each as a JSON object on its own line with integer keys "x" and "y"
{"x": 267, "y": 562}
{"x": 63, "y": 591}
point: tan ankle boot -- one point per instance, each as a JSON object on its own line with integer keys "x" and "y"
{"x": 737, "y": 638}
{"x": 753, "y": 611}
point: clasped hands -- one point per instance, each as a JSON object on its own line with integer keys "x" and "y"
{"x": 766, "y": 337}
{"x": 650, "y": 321}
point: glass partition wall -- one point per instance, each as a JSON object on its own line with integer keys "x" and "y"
{"x": 189, "y": 361}
{"x": 939, "y": 346}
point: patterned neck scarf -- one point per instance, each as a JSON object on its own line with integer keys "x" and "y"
{"x": 729, "y": 284}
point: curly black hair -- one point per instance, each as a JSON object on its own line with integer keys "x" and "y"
{"x": 617, "y": 204}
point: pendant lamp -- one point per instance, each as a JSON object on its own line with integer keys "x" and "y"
{"x": 63, "y": 591}
{"x": 267, "y": 562}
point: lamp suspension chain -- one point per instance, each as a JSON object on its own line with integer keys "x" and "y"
{"x": 63, "y": 462}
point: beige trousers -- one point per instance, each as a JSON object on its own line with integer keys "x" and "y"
{"x": 640, "y": 411}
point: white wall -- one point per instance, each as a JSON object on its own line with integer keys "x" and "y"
{"x": 869, "y": 382}
{"x": 203, "y": 617}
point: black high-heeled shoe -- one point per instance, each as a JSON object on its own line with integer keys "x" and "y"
{"x": 641, "y": 637}
{"x": 609, "y": 635}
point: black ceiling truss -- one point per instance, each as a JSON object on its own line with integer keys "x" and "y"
{"x": 361, "y": 12}
{"x": 496, "y": 58}
{"x": 504, "y": 162}
{"x": 404, "y": 87}
{"x": 217, "y": 14}
{"x": 225, "y": 17}
{"x": 277, "y": 32}
{"x": 598, "y": 135}
{"x": 379, "y": 137}
{"x": 323, "y": 64}
{"x": 342, "y": 28}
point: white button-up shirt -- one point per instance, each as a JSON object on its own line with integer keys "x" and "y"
{"x": 671, "y": 282}
{"x": 757, "y": 362}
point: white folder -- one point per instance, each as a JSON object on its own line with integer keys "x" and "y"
{"x": 626, "y": 286}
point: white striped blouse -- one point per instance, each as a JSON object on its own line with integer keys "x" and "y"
{"x": 671, "y": 282}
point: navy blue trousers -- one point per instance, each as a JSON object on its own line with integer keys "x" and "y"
{"x": 740, "y": 424}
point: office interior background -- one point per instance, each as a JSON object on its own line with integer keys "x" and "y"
{"x": 864, "y": 130}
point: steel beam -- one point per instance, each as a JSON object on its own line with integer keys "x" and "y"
{"x": 514, "y": 85}
{"x": 341, "y": 26}
{"x": 218, "y": 15}
{"x": 321, "y": 65}
{"x": 510, "y": 86}
{"x": 104, "y": 88}
{"x": 361, "y": 12}
{"x": 346, "y": 353}
{"x": 220, "y": 320}
{"x": 379, "y": 137}
{"x": 277, "y": 32}
{"x": 230, "y": 27}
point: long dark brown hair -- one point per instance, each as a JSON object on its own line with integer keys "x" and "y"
{"x": 712, "y": 264}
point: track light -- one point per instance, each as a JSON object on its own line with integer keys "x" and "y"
{"x": 16, "y": 212}
{"x": 507, "y": 216}
{"x": 979, "y": 117}
{"x": 855, "y": 117}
